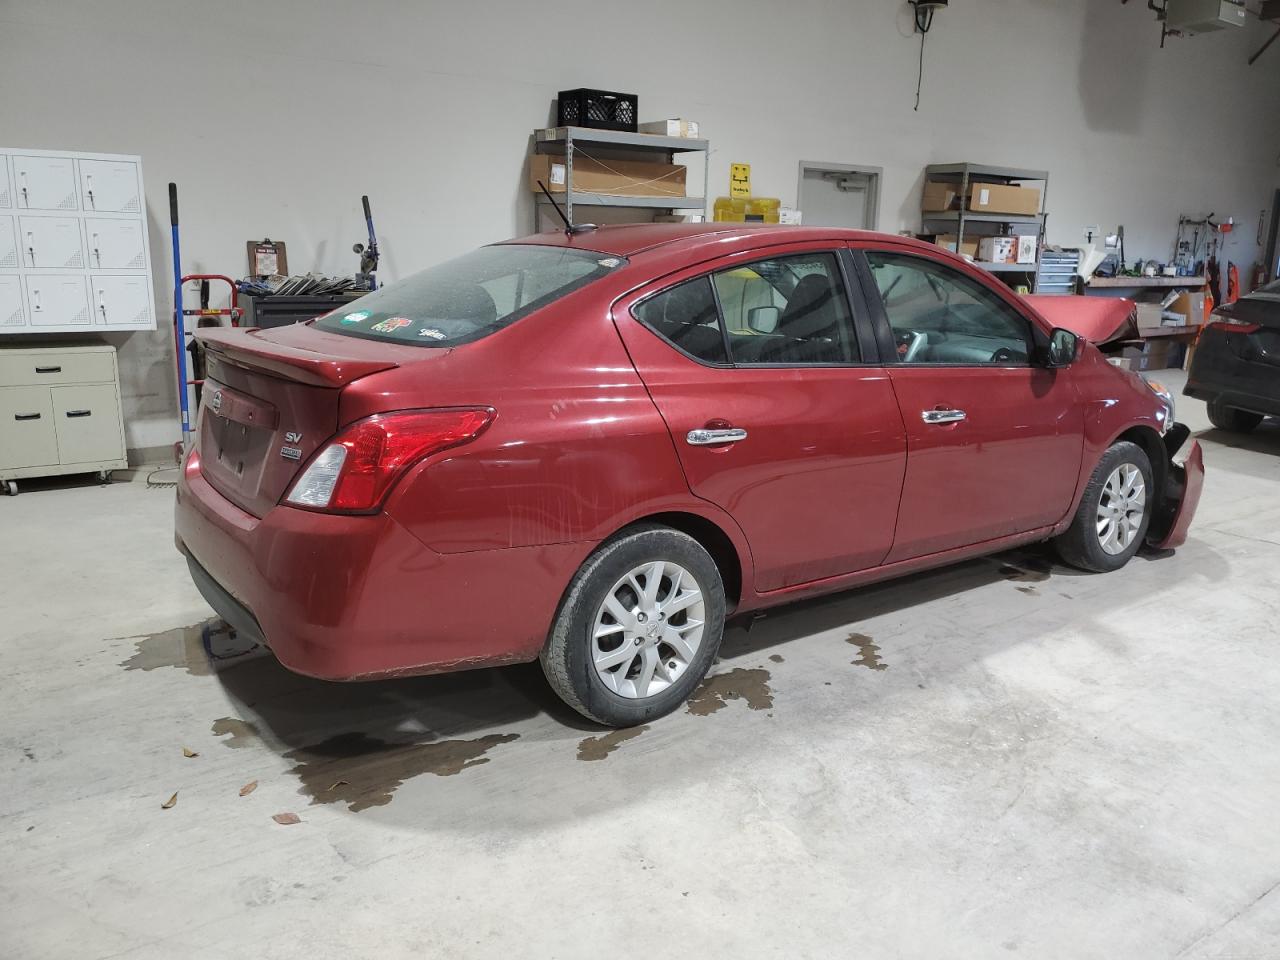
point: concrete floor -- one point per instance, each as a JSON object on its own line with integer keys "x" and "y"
{"x": 1003, "y": 758}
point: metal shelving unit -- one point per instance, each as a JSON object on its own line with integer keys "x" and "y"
{"x": 619, "y": 145}
{"x": 966, "y": 173}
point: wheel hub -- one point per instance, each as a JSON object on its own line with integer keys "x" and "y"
{"x": 1121, "y": 508}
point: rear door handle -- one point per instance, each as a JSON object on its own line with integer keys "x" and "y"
{"x": 704, "y": 437}
{"x": 942, "y": 416}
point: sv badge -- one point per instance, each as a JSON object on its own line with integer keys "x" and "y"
{"x": 291, "y": 450}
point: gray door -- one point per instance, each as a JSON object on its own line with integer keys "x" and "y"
{"x": 834, "y": 195}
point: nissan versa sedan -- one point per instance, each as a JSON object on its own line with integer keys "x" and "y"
{"x": 1236, "y": 364}
{"x": 590, "y": 449}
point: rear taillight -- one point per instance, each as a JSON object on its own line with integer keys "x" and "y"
{"x": 1232, "y": 325}
{"x": 354, "y": 471}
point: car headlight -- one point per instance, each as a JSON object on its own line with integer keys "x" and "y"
{"x": 1163, "y": 392}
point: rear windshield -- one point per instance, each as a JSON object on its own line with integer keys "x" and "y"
{"x": 471, "y": 297}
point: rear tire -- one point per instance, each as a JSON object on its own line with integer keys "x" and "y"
{"x": 1232, "y": 419}
{"x": 1108, "y": 528}
{"x": 670, "y": 607}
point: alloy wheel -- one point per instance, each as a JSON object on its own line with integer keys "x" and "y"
{"x": 1121, "y": 508}
{"x": 647, "y": 631}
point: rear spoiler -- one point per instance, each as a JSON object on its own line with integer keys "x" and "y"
{"x": 248, "y": 349}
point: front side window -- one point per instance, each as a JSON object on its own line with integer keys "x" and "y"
{"x": 470, "y": 297}
{"x": 938, "y": 315}
{"x": 787, "y": 310}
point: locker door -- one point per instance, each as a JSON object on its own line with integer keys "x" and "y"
{"x": 120, "y": 300}
{"x": 12, "y": 313}
{"x": 27, "y": 433}
{"x": 6, "y": 188}
{"x": 51, "y": 243}
{"x": 44, "y": 183}
{"x": 9, "y": 259}
{"x": 86, "y": 418}
{"x": 109, "y": 186}
{"x": 113, "y": 244}
{"x": 58, "y": 301}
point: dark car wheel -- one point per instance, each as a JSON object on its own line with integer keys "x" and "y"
{"x": 1114, "y": 513}
{"x": 638, "y": 628}
{"x": 1232, "y": 418}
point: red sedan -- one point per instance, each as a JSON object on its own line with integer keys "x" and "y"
{"x": 590, "y": 449}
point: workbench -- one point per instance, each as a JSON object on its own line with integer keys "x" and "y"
{"x": 1159, "y": 340}
{"x": 1141, "y": 283}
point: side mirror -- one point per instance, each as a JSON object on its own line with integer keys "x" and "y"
{"x": 763, "y": 319}
{"x": 1064, "y": 346}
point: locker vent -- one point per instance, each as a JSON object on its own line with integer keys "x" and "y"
{"x": 5, "y": 199}
{"x": 143, "y": 314}
{"x": 137, "y": 263}
{"x": 75, "y": 262}
{"x": 68, "y": 203}
{"x": 82, "y": 316}
{"x": 10, "y": 259}
{"x": 15, "y": 319}
{"x": 130, "y": 207}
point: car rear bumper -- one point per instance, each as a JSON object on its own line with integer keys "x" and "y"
{"x": 354, "y": 598}
{"x": 1181, "y": 495}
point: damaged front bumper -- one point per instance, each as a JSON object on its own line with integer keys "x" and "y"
{"x": 1181, "y": 495}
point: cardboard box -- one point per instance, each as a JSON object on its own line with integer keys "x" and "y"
{"x": 1027, "y": 244}
{"x": 1182, "y": 310}
{"x": 618, "y": 178}
{"x": 671, "y": 128}
{"x": 948, "y": 242}
{"x": 999, "y": 198}
{"x": 998, "y": 249}
{"x": 938, "y": 196}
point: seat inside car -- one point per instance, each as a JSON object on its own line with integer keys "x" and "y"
{"x": 808, "y": 329}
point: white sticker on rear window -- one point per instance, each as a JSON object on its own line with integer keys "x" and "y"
{"x": 433, "y": 333}
{"x": 609, "y": 262}
{"x": 357, "y": 317}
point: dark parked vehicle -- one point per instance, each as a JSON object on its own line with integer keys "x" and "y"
{"x": 1236, "y": 366}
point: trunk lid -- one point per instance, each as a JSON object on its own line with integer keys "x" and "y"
{"x": 270, "y": 399}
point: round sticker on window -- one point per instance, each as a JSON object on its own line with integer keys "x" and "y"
{"x": 391, "y": 324}
{"x": 358, "y": 317}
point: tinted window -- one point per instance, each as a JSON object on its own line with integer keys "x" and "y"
{"x": 939, "y": 315}
{"x": 686, "y": 316}
{"x": 787, "y": 310}
{"x": 470, "y": 297}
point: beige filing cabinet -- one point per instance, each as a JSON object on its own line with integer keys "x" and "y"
{"x": 59, "y": 413}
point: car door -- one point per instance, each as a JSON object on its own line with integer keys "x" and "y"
{"x": 994, "y": 441}
{"x": 777, "y": 404}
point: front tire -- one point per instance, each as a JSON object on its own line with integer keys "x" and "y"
{"x": 1232, "y": 419}
{"x": 1114, "y": 513}
{"x": 638, "y": 629}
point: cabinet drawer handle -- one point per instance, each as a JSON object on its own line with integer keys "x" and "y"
{"x": 26, "y": 416}
{"x": 79, "y": 413}
{"x": 48, "y": 369}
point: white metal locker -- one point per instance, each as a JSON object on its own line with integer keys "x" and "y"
{"x": 9, "y": 259}
{"x": 58, "y": 300}
{"x": 6, "y": 188}
{"x": 119, "y": 301}
{"x": 12, "y": 314}
{"x": 52, "y": 243}
{"x": 44, "y": 183}
{"x": 114, "y": 244}
{"x": 109, "y": 186}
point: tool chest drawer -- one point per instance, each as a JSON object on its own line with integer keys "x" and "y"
{"x": 59, "y": 412}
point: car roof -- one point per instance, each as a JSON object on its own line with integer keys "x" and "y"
{"x": 627, "y": 240}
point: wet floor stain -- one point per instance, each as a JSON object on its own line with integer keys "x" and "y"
{"x": 776, "y": 657}
{"x": 751, "y": 685}
{"x": 1026, "y": 570}
{"x": 197, "y": 648}
{"x": 239, "y": 733}
{"x": 1029, "y": 591}
{"x": 868, "y": 652}
{"x": 363, "y": 771}
{"x": 597, "y": 748}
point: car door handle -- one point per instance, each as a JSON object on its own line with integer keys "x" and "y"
{"x": 942, "y": 416}
{"x": 705, "y": 437}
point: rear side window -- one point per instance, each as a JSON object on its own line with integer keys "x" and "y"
{"x": 471, "y": 297}
{"x": 685, "y": 316}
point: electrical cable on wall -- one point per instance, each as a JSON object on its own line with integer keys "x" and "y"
{"x": 924, "y": 11}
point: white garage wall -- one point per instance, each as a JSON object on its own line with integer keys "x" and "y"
{"x": 273, "y": 117}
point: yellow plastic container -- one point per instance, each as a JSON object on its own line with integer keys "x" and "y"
{"x": 763, "y": 209}
{"x": 730, "y": 210}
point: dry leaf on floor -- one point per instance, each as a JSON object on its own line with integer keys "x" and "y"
{"x": 286, "y": 818}
{"x": 189, "y": 753}
{"x": 248, "y": 788}
{"x": 338, "y": 783}
{"x": 170, "y": 802}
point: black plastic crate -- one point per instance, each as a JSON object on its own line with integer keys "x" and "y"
{"x": 597, "y": 108}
